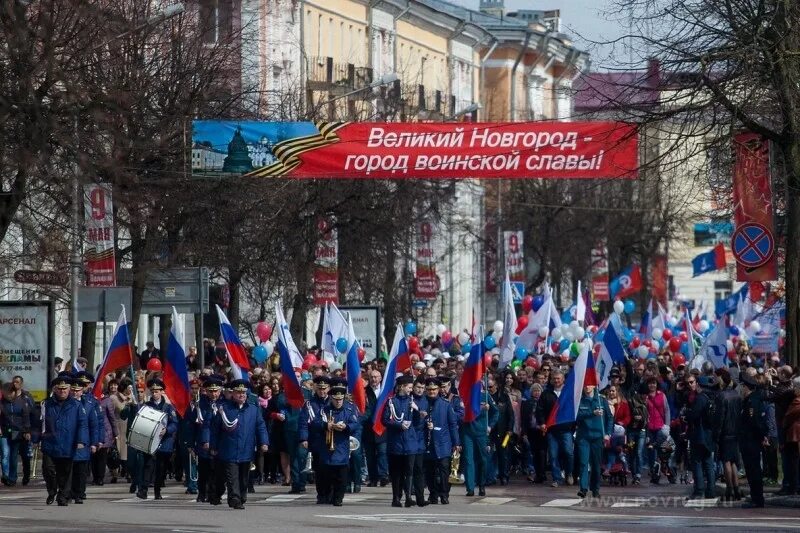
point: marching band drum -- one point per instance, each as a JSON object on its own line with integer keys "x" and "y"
{"x": 146, "y": 429}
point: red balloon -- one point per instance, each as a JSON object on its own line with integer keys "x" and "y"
{"x": 154, "y": 365}
{"x": 666, "y": 334}
{"x": 635, "y": 342}
{"x": 487, "y": 360}
{"x": 532, "y": 362}
{"x": 264, "y": 331}
{"x": 678, "y": 360}
{"x": 522, "y": 323}
{"x": 674, "y": 344}
{"x": 447, "y": 336}
{"x": 361, "y": 354}
{"x": 648, "y": 343}
{"x": 413, "y": 344}
{"x": 735, "y": 340}
{"x": 309, "y": 361}
{"x": 683, "y": 336}
{"x": 527, "y": 303}
{"x": 554, "y": 347}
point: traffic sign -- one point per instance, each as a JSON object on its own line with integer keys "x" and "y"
{"x": 41, "y": 277}
{"x": 752, "y": 245}
{"x": 517, "y": 291}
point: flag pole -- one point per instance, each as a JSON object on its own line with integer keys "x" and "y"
{"x": 130, "y": 352}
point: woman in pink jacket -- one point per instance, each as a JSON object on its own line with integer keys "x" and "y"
{"x": 658, "y": 416}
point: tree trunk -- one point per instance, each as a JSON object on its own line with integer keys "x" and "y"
{"x": 164, "y": 325}
{"x": 88, "y": 336}
{"x": 792, "y": 264}
{"x": 234, "y": 287}
{"x": 390, "y": 314}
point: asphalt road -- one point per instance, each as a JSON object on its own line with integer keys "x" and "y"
{"x": 518, "y": 507}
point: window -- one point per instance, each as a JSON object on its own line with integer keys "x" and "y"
{"x": 216, "y": 20}
{"x": 722, "y": 289}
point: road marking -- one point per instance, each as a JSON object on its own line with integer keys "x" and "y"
{"x": 17, "y": 496}
{"x": 135, "y": 499}
{"x": 278, "y": 498}
{"x": 460, "y": 523}
{"x": 709, "y": 502}
{"x": 628, "y": 504}
{"x": 492, "y": 500}
{"x": 353, "y": 498}
{"x": 563, "y": 502}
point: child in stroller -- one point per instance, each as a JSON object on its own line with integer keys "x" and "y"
{"x": 664, "y": 446}
{"x": 617, "y": 464}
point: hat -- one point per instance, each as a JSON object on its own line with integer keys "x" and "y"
{"x": 443, "y": 380}
{"x": 322, "y": 380}
{"x": 707, "y": 382}
{"x": 61, "y": 382}
{"x": 749, "y": 381}
{"x": 432, "y": 383}
{"x": 213, "y": 383}
{"x": 338, "y": 389}
{"x": 85, "y": 377}
{"x": 305, "y": 376}
{"x": 76, "y": 385}
{"x": 404, "y": 380}
{"x": 155, "y": 384}
{"x": 239, "y": 385}
{"x": 615, "y": 373}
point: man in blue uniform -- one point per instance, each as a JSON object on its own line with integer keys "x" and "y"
{"x": 338, "y": 422}
{"x": 81, "y": 456}
{"x": 752, "y": 437}
{"x": 310, "y": 433}
{"x": 441, "y": 439}
{"x": 475, "y": 440}
{"x": 420, "y": 405}
{"x": 298, "y": 455}
{"x": 209, "y": 487}
{"x": 65, "y": 429}
{"x": 403, "y": 426}
{"x": 155, "y": 466}
{"x": 236, "y": 431}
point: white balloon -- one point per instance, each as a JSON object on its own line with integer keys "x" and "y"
{"x": 729, "y": 345}
{"x": 754, "y": 327}
{"x": 703, "y": 326}
{"x": 270, "y": 348}
{"x": 565, "y": 353}
{"x": 580, "y": 333}
{"x": 642, "y": 351}
{"x": 441, "y": 328}
{"x": 564, "y": 329}
{"x": 543, "y": 331}
{"x": 672, "y": 321}
{"x": 657, "y": 333}
{"x": 569, "y": 336}
{"x": 334, "y": 366}
{"x": 555, "y": 335}
{"x": 498, "y": 325}
{"x": 462, "y": 338}
{"x": 782, "y": 333}
{"x": 619, "y": 307}
{"x": 497, "y": 335}
{"x": 574, "y": 325}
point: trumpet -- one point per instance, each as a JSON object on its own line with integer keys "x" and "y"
{"x": 455, "y": 462}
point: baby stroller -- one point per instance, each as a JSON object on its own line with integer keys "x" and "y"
{"x": 618, "y": 460}
{"x": 664, "y": 447}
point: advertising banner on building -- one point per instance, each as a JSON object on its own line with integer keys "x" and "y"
{"x": 513, "y": 253}
{"x": 99, "y": 237}
{"x": 323, "y": 150}
{"x": 753, "y": 240}
{"x": 599, "y": 259}
{"x": 26, "y": 344}
{"x": 367, "y": 327}
{"x": 326, "y": 263}
{"x": 660, "y": 281}
{"x": 426, "y": 283}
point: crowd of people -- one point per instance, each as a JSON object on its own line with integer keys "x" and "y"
{"x": 657, "y": 421}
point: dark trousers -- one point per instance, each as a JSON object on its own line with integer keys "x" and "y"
{"x": 322, "y": 494}
{"x": 703, "y": 470}
{"x": 99, "y": 464}
{"x": 400, "y": 469}
{"x": 206, "y": 479}
{"x": 236, "y": 476}
{"x": 377, "y": 464}
{"x": 538, "y": 443}
{"x": 80, "y": 471}
{"x": 415, "y": 482}
{"x": 135, "y": 461}
{"x": 298, "y": 457}
{"x": 437, "y": 478}
{"x": 155, "y": 470}
{"x": 769, "y": 455}
{"x": 57, "y": 473}
{"x": 791, "y": 458}
{"x": 751, "y": 457}
{"x": 331, "y": 482}
{"x": 502, "y": 455}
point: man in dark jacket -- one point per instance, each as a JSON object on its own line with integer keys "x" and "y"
{"x": 728, "y": 411}
{"x": 374, "y": 444}
{"x": 441, "y": 439}
{"x": 752, "y": 436}
{"x": 154, "y": 468}
{"x": 700, "y": 434}
{"x": 533, "y": 434}
{"x": 559, "y": 437}
{"x": 15, "y": 424}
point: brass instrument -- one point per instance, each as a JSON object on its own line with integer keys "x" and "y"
{"x": 329, "y": 432}
{"x": 355, "y": 444}
{"x": 193, "y": 465}
{"x": 455, "y": 462}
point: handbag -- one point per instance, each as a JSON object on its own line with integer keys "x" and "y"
{"x": 113, "y": 459}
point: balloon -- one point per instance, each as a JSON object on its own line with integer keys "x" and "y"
{"x": 411, "y": 328}
{"x": 341, "y": 345}
{"x": 154, "y": 365}
{"x": 599, "y": 336}
{"x": 441, "y": 328}
{"x": 782, "y": 333}
{"x": 657, "y": 333}
{"x": 538, "y": 301}
{"x": 520, "y": 353}
{"x": 703, "y": 326}
{"x": 487, "y": 360}
{"x": 563, "y": 345}
{"x": 556, "y": 334}
{"x": 531, "y": 362}
{"x": 466, "y": 347}
{"x": 413, "y": 344}
{"x": 527, "y": 303}
{"x": 543, "y": 331}
{"x": 498, "y": 326}
{"x": 269, "y": 347}
{"x": 574, "y": 325}
{"x": 463, "y": 338}
{"x": 678, "y": 360}
{"x": 260, "y": 354}
{"x": 734, "y": 331}
{"x": 629, "y": 306}
{"x": 515, "y": 365}
{"x": 263, "y": 331}
{"x": 564, "y": 329}
{"x": 674, "y": 344}
{"x": 569, "y": 336}
{"x": 754, "y": 327}
{"x": 575, "y": 349}
{"x": 489, "y": 342}
{"x": 648, "y": 343}
{"x": 522, "y": 323}
{"x": 735, "y": 340}
{"x": 635, "y": 342}
{"x": 683, "y": 336}
{"x": 666, "y": 334}
{"x": 642, "y": 351}
{"x": 309, "y": 361}
{"x": 447, "y": 337}
{"x": 580, "y": 333}
{"x": 554, "y": 347}
{"x": 619, "y": 307}
{"x": 362, "y": 353}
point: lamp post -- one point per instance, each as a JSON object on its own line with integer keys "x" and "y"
{"x": 75, "y": 258}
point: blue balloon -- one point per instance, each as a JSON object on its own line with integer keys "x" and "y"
{"x": 538, "y": 301}
{"x": 341, "y": 345}
{"x": 520, "y": 353}
{"x": 489, "y": 342}
{"x": 411, "y": 328}
{"x": 598, "y": 337}
{"x": 466, "y": 348}
{"x": 734, "y": 331}
{"x": 563, "y": 345}
{"x": 566, "y": 316}
{"x": 630, "y": 306}
{"x": 627, "y": 333}
{"x": 260, "y": 354}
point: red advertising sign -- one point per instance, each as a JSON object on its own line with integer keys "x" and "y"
{"x": 587, "y": 150}
{"x": 99, "y": 238}
{"x": 326, "y": 263}
{"x": 599, "y": 259}
{"x": 753, "y": 246}
{"x": 513, "y": 252}
{"x": 426, "y": 283}
{"x": 660, "y": 280}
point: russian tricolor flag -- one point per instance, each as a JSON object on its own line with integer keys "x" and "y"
{"x": 398, "y": 351}
{"x": 290, "y": 359}
{"x": 355, "y": 386}
{"x": 583, "y": 374}
{"x": 236, "y": 354}
{"x": 119, "y": 354}
{"x": 469, "y": 388}
{"x": 176, "y": 376}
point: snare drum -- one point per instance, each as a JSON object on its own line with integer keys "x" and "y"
{"x": 145, "y": 434}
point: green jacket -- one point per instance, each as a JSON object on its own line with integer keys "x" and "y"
{"x": 591, "y": 426}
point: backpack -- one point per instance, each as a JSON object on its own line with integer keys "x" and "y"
{"x": 709, "y": 417}
{"x": 638, "y": 408}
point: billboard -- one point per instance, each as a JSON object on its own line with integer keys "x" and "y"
{"x": 367, "y": 327}
{"x": 99, "y": 237}
{"x": 27, "y": 344}
{"x": 514, "y": 255}
{"x": 326, "y": 263}
{"x": 599, "y": 258}
{"x": 556, "y": 150}
{"x": 426, "y": 282}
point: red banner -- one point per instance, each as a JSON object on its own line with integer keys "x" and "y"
{"x": 587, "y": 150}
{"x": 660, "y": 279}
{"x": 326, "y": 265}
{"x": 426, "y": 283}
{"x": 752, "y": 200}
{"x": 600, "y": 273}
{"x": 99, "y": 238}
{"x": 514, "y": 255}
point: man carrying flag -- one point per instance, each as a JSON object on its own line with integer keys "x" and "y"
{"x": 611, "y": 353}
{"x": 176, "y": 376}
{"x": 480, "y": 416}
{"x": 237, "y": 356}
{"x": 290, "y": 360}
{"x": 118, "y": 355}
{"x": 399, "y": 350}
